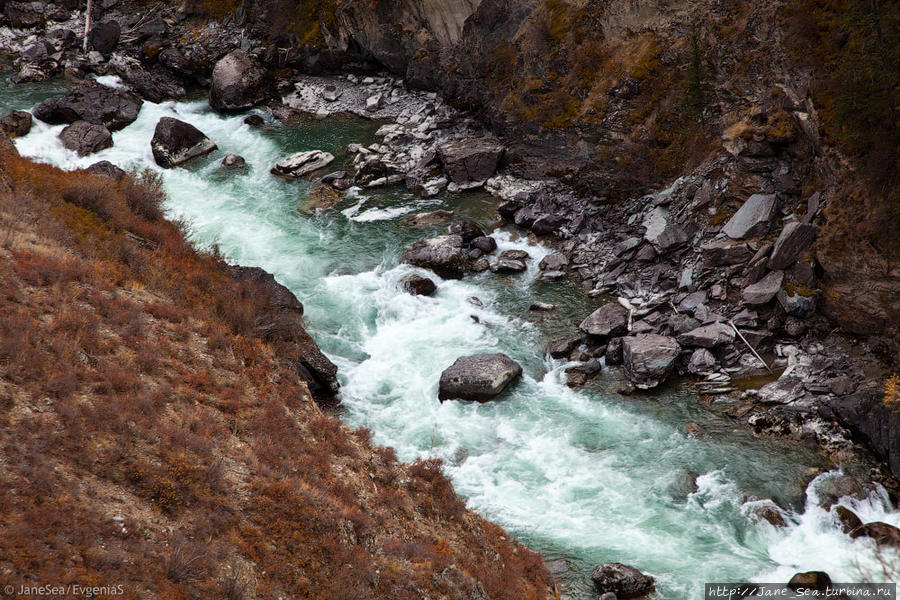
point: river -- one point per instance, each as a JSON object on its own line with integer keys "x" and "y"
{"x": 583, "y": 476}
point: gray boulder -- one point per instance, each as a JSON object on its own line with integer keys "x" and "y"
{"x": 471, "y": 159}
{"x": 720, "y": 253}
{"x": 794, "y": 239}
{"x": 649, "y": 358}
{"x": 445, "y": 255}
{"x": 707, "y": 336}
{"x": 480, "y": 377}
{"x": 176, "y": 142}
{"x": 16, "y": 123}
{"x": 302, "y": 163}
{"x": 86, "y": 138}
{"x": 238, "y": 82}
{"x": 607, "y": 321}
{"x": 92, "y": 102}
{"x": 621, "y": 580}
{"x": 752, "y": 218}
{"x": 763, "y": 290}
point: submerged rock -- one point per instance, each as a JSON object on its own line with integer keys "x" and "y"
{"x": 104, "y": 36}
{"x": 176, "y": 142}
{"x": 302, "y": 163}
{"x": 649, "y": 358}
{"x": 238, "y": 82}
{"x": 480, "y": 377}
{"x": 86, "y": 138}
{"x": 428, "y": 219}
{"x": 321, "y": 197}
{"x": 622, "y": 580}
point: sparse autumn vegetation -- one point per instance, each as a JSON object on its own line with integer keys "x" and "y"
{"x": 150, "y": 438}
{"x": 892, "y": 390}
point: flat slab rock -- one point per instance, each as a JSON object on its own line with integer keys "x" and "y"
{"x": 752, "y": 218}
{"x": 649, "y": 358}
{"x": 480, "y": 377}
{"x": 302, "y": 163}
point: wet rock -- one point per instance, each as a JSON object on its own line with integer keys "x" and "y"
{"x": 707, "y": 336}
{"x": 847, "y": 518}
{"x": 428, "y": 219}
{"x": 418, "y": 285}
{"x": 622, "y": 580}
{"x": 684, "y": 485}
{"x": 554, "y": 262}
{"x": 467, "y": 230}
{"x": 155, "y": 87}
{"x": 607, "y": 321}
{"x": 692, "y": 429}
{"x": 444, "y": 255}
{"x": 484, "y": 243}
{"x": 254, "y": 121}
{"x": 321, "y": 197}
{"x": 702, "y": 361}
{"x": 794, "y": 239}
{"x": 764, "y": 290}
{"x": 106, "y": 169}
{"x": 176, "y": 142}
{"x": 470, "y": 159}
{"x": 508, "y": 265}
{"x": 92, "y": 102}
{"x": 613, "y": 354}
{"x": 520, "y": 255}
{"x": 810, "y": 580}
{"x": 480, "y": 377}
{"x": 548, "y": 224}
{"x": 883, "y": 533}
{"x": 752, "y": 219}
{"x": 766, "y": 510}
{"x": 797, "y": 304}
{"x": 234, "y": 161}
{"x": 16, "y": 123}
{"x": 720, "y": 253}
{"x": 86, "y": 138}
{"x": 238, "y": 82}
{"x": 580, "y": 374}
{"x": 649, "y": 358}
{"x": 562, "y": 347}
{"x": 302, "y": 163}
{"x": 104, "y": 36}
{"x": 425, "y": 186}
{"x": 542, "y": 307}
{"x": 840, "y": 486}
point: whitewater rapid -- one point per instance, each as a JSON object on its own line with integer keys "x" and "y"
{"x": 584, "y": 476}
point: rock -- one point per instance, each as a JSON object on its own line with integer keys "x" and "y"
{"x": 839, "y": 486}
{"x": 508, "y": 265}
{"x": 794, "y": 239}
{"x": 92, "y": 102}
{"x": 374, "y": 102}
{"x": 106, "y": 169}
{"x": 707, "y": 336}
{"x": 418, "y": 286}
{"x": 622, "y": 580}
{"x": 671, "y": 236}
{"x": 234, "y": 161}
{"x": 684, "y": 485}
{"x": 155, "y": 86}
{"x": 302, "y": 163}
{"x": 580, "y": 374}
{"x": 561, "y": 348}
{"x": 321, "y": 197}
{"x": 764, "y": 290}
{"x": 277, "y": 295}
{"x": 554, "y": 262}
{"x": 766, "y": 510}
{"x": 484, "y": 243}
{"x": 847, "y": 518}
{"x": 542, "y": 307}
{"x": 176, "y": 142}
{"x": 607, "y": 596}
{"x": 443, "y": 254}
{"x": 509, "y": 208}
{"x": 720, "y": 253}
{"x": 548, "y": 224}
{"x": 330, "y": 93}
{"x": 426, "y": 187}
{"x": 646, "y": 254}
{"x": 883, "y": 533}
{"x": 702, "y": 361}
{"x": 692, "y": 429}
{"x": 467, "y": 230}
{"x": 810, "y": 580}
{"x": 16, "y": 123}
{"x": 480, "y": 377}
{"x": 238, "y": 82}
{"x": 23, "y": 15}
{"x": 752, "y": 219}
{"x": 254, "y": 121}
{"x": 86, "y": 138}
{"x": 514, "y": 255}
{"x": 607, "y": 321}
{"x": 470, "y": 159}
{"x": 427, "y": 219}
{"x": 613, "y": 355}
{"x": 104, "y": 37}
{"x": 525, "y": 217}
{"x": 649, "y": 358}
{"x": 797, "y": 304}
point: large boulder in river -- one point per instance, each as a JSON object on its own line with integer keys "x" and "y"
{"x": 238, "y": 82}
{"x": 621, "y": 580}
{"x": 609, "y": 320}
{"x": 649, "y": 358}
{"x": 176, "y": 142}
{"x": 471, "y": 159}
{"x": 444, "y": 254}
{"x": 302, "y": 163}
{"x": 86, "y": 138}
{"x": 752, "y": 218}
{"x": 92, "y": 102}
{"x": 16, "y": 123}
{"x": 480, "y": 377}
